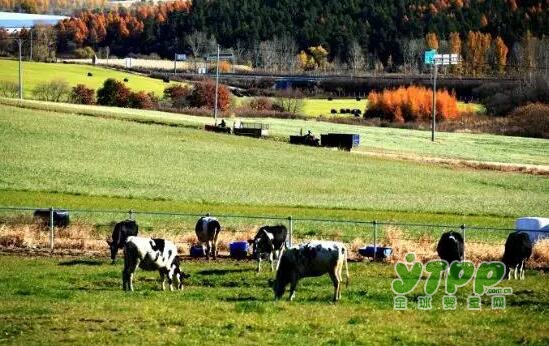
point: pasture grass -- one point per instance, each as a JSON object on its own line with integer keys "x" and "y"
{"x": 38, "y": 72}
{"x": 377, "y": 140}
{"x": 79, "y": 300}
{"x": 75, "y": 155}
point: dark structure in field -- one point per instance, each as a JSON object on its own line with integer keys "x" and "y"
{"x": 60, "y": 217}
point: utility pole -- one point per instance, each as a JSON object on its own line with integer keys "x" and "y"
{"x": 216, "y": 86}
{"x": 20, "y": 43}
{"x": 174, "y": 64}
{"x": 435, "y": 68}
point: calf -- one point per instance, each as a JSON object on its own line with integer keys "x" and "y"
{"x": 311, "y": 259}
{"x": 268, "y": 243}
{"x": 151, "y": 254}
{"x": 121, "y": 232}
{"x": 450, "y": 247}
{"x": 207, "y": 230}
{"x": 518, "y": 249}
{"x": 60, "y": 217}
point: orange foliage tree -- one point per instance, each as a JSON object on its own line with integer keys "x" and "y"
{"x": 203, "y": 95}
{"x": 501, "y": 53}
{"x": 431, "y": 40}
{"x": 412, "y": 103}
{"x": 477, "y": 47}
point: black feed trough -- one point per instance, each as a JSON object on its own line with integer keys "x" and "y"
{"x": 345, "y": 141}
{"x": 60, "y": 217}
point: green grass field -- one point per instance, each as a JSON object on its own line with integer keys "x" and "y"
{"x": 465, "y": 146}
{"x": 50, "y": 301}
{"x": 314, "y": 107}
{"x": 37, "y": 72}
{"x": 65, "y": 159}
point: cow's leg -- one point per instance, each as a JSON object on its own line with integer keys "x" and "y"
{"x": 271, "y": 260}
{"x": 258, "y": 263}
{"x": 214, "y": 249}
{"x": 208, "y": 249}
{"x": 162, "y": 280}
{"x": 516, "y": 270}
{"x": 293, "y": 285}
{"x": 336, "y": 283}
{"x": 522, "y": 270}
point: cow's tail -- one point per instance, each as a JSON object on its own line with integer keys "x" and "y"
{"x": 346, "y": 269}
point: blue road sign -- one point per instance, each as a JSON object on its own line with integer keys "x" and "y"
{"x": 181, "y": 57}
{"x": 430, "y": 56}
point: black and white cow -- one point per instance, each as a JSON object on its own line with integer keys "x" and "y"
{"x": 518, "y": 249}
{"x": 269, "y": 243}
{"x": 151, "y": 254}
{"x": 207, "y": 230}
{"x": 314, "y": 258}
{"x": 450, "y": 247}
{"x": 121, "y": 232}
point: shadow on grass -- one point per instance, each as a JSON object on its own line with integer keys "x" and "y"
{"x": 85, "y": 262}
{"x": 241, "y": 299}
{"x": 222, "y": 271}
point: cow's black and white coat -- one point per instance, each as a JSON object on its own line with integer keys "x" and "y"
{"x": 314, "y": 258}
{"x": 151, "y": 254}
{"x": 207, "y": 230}
{"x": 269, "y": 243}
{"x": 450, "y": 247}
{"x": 121, "y": 232}
{"x": 518, "y": 248}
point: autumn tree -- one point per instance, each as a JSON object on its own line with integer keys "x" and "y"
{"x": 477, "y": 47}
{"x": 501, "y": 51}
{"x": 431, "y": 40}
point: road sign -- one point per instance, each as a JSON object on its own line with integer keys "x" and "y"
{"x": 429, "y": 56}
{"x": 180, "y": 57}
{"x": 445, "y": 59}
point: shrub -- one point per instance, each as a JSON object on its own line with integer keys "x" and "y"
{"x": 140, "y": 100}
{"x": 113, "y": 93}
{"x": 9, "y": 89}
{"x": 203, "y": 95}
{"x": 531, "y": 120}
{"x": 84, "y": 53}
{"x": 261, "y": 104}
{"x": 333, "y": 111}
{"x": 55, "y": 90}
{"x": 291, "y": 101}
{"x": 126, "y": 80}
{"x": 410, "y": 104}
{"x": 178, "y": 94}
{"x": 83, "y": 95}
{"x": 225, "y": 67}
{"x": 90, "y": 74}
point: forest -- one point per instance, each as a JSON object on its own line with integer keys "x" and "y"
{"x": 354, "y": 32}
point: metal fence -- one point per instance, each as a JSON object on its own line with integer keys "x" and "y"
{"x": 359, "y": 232}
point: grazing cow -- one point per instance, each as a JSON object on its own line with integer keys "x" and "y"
{"x": 518, "y": 249}
{"x": 450, "y": 247}
{"x": 314, "y": 258}
{"x": 269, "y": 242}
{"x": 207, "y": 230}
{"x": 151, "y": 254}
{"x": 121, "y": 232}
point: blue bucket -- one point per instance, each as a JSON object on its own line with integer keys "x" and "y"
{"x": 381, "y": 252}
{"x": 197, "y": 251}
{"x": 239, "y": 249}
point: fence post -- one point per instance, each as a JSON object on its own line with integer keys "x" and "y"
{"x": 130, "y": 214}
{"x": 374, "y": 223}
{"x": 291, "y": 230}
{"x": 51, "y": 229}
{"x": 463, "y": 234}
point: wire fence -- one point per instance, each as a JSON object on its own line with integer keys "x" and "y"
{"x": 89, "y": 228}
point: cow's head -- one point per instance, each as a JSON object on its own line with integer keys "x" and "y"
{"x": 113, "y": 248}
{"x": 286, "y": 268}
{"x": 177, "y": 274}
